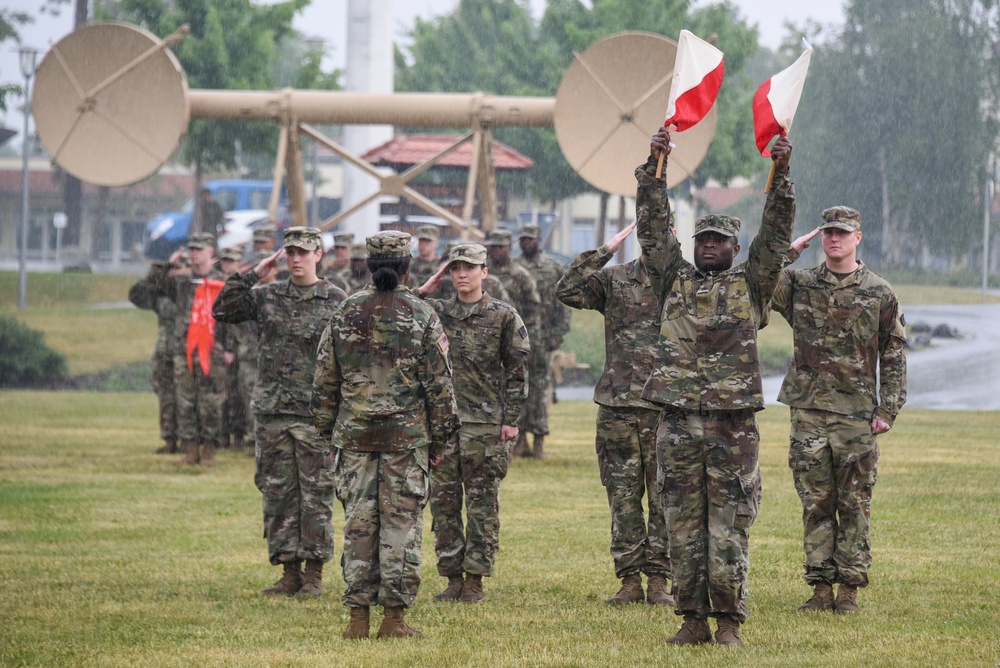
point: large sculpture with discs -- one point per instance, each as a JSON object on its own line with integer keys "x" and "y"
{"x": 111, "y": 105}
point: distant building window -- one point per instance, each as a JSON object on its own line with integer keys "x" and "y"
{"x": 582, "y": 235}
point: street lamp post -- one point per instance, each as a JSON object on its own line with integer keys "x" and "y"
{"x": 27, "y": 57}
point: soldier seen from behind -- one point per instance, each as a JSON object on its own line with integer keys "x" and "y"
{"x": 489, "y": 351}
{"x": 626, "y": 423}
{"x": 293, "y": 461}
{"x": 706, "y": 379}
{"x": 846, "y": 384}
{"x": 383, "y": 396}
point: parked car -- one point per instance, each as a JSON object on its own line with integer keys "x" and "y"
{"x": 240, "y": 226}
{"x": 168, "y": 231}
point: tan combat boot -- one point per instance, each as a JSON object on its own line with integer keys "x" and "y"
{"x": 312, "y": 578}
{"x": 393, "y": 625}
{"x": 822, "y": 598}
{"x": 847, "y": 599}
{"x": 728, "y": 632}
{"x": 454, "y": 590}
{"x": 631, "y": 591}
{"x": 657, "y": 592}
{"x": 472, "y": 589}
{"x": 208, "y": 454}
{"x": 169, "y": 447}
{"x": 538, "y": 447}
{"x": 290, "y": 582}
{"x": 693, "y": 631}
{"x": 360, "y": 625}
{"x": 190, "y": 449}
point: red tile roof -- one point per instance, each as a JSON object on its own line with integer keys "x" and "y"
{"x": 417, "y": 148}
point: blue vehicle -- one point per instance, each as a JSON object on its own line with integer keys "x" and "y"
{"x": 168, "y": 231}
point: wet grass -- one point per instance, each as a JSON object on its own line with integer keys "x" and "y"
{"x": 111, "y": 556}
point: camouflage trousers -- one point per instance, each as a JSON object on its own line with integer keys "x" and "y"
{"x": 475, "y": 462}
{"x": 384, "y": 495}
{"x": 834, "y": 462}
{"x": 535, "y": 415}
{"x": 163, "y": 385}
{"x": 294, "y": 474}
{"x": 626, "y": 456}
{"x": 247, "y": 378}
{"x": 234, "y": 417}
{"x": 707, "y": 463}
{"x": 199, "y": 400}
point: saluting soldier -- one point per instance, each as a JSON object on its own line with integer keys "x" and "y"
{"x": 293, "y": 462}
{"x": 489, "y": 353}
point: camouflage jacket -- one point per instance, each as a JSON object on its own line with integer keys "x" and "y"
{"x": 289, "y": 323}
{"x": 143, "y": 296}
{"x": 523, "y": 293}
{"x": 553, "y": 316}
{"x": 421, "y": 270}
{"x": 339, "y": 278}
{"x": 383, "y": 379}
{"x": 622, "y": 294}
{"x": 707, "y": 357}
{"x": 489, "y": 356}
{"x": 846, "y": 335}
{"x": 180, "y": 291}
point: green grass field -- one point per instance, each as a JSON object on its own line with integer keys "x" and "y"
{"x": 111, "y": 556}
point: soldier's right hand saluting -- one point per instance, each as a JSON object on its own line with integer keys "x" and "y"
{"x": 269, "y": 264}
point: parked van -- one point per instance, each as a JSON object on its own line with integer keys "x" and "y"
{"x": 168, "y": 231}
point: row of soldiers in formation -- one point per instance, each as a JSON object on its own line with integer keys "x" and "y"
{"x": 389, "y": 397}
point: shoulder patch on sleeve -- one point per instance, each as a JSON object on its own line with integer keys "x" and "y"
{"x": 443, "y": 344}
{"x": 523, "y": 332}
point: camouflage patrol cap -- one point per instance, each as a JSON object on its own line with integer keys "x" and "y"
{"x": 264, "y": 233}
{"x": 231, "y": 254}
{"x": 530, "y": 231}
{"x": 343, "y": 239}
{"x": 306, "y": 238}
{"x": 429, "y": 232}
{"x": 201, "y": 240}
{"x": 499, "y": 238}
{"x": 388, "y": 245}
{"x": 183, "y": 261}
{"x": 728, "y": 226}
{"x": 841, "y": 217}
{"x": 471, "y": 253}
{"x": 359, "y": 252}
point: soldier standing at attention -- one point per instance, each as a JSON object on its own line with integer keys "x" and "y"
{"x": 383, "y": 394}
{"x": 199, "y": 367}
{"x": 293, "y": 467}
{"x": 143, "y": 296}
{"x": 339, "y": 268}
{"x": 706, "y": 378}
{"x": 358, "y": 276}
{"x": 427, "y": 262}
{"x": 846, "y": 384}
{"x": 489, "y": 352}
{"x": 234, "y": 416}
{"x": 553, "y": 324}
{"x": 263, "y": 239}
{"x": 626, "y": 423}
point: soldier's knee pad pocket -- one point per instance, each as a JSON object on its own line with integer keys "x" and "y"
{"x": 748, "y": 503}
{"x": 867, "y": 468}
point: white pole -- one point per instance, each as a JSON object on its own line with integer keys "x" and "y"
{"x": 27, "y": 69}
{"x": 988, "y": 200}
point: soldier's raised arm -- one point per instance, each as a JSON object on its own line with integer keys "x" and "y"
{"x": 652, "y": 215}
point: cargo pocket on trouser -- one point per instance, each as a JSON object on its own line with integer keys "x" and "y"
{"x": 748, "y": 503}
{"x": 416, "y": 483}
{"x": 495, "y": 452}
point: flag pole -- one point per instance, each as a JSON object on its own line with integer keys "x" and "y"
{"x": 770, "y": 177}
{"x": 659, "y": 161}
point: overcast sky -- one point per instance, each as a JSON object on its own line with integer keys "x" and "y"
{"x": 326, "y": 19}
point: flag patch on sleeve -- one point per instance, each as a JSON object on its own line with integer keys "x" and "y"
{"x": 442, "y": 343}
{"x": 523, "y": 332}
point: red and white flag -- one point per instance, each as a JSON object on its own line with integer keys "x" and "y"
{"x": 776, "y": 100}
{"x": 698, "y": 71}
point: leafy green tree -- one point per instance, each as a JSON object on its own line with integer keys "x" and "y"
{"x": 895, "y": 122}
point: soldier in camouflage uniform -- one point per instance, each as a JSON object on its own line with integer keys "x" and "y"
{"x": 446, "y": 289}
{"x": 427, "y": 262}
{"x": 626, "y": 423}
{"x": 234, "y": 415}
{"x": 383, "y": 394}
{"x": 339, "y": 268}
{"x": 707, "y": 380}
{"x": 846, "y": 384}
{"x": 357, "y": 276}
{"x": 293, "y": 461}
{"x": 264, "y": 239}
{"x": 199, "y": 367}
{"x": 490, "y": 352}
{"x": 553, "y": 324}
{"x": 142, "y": 295}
